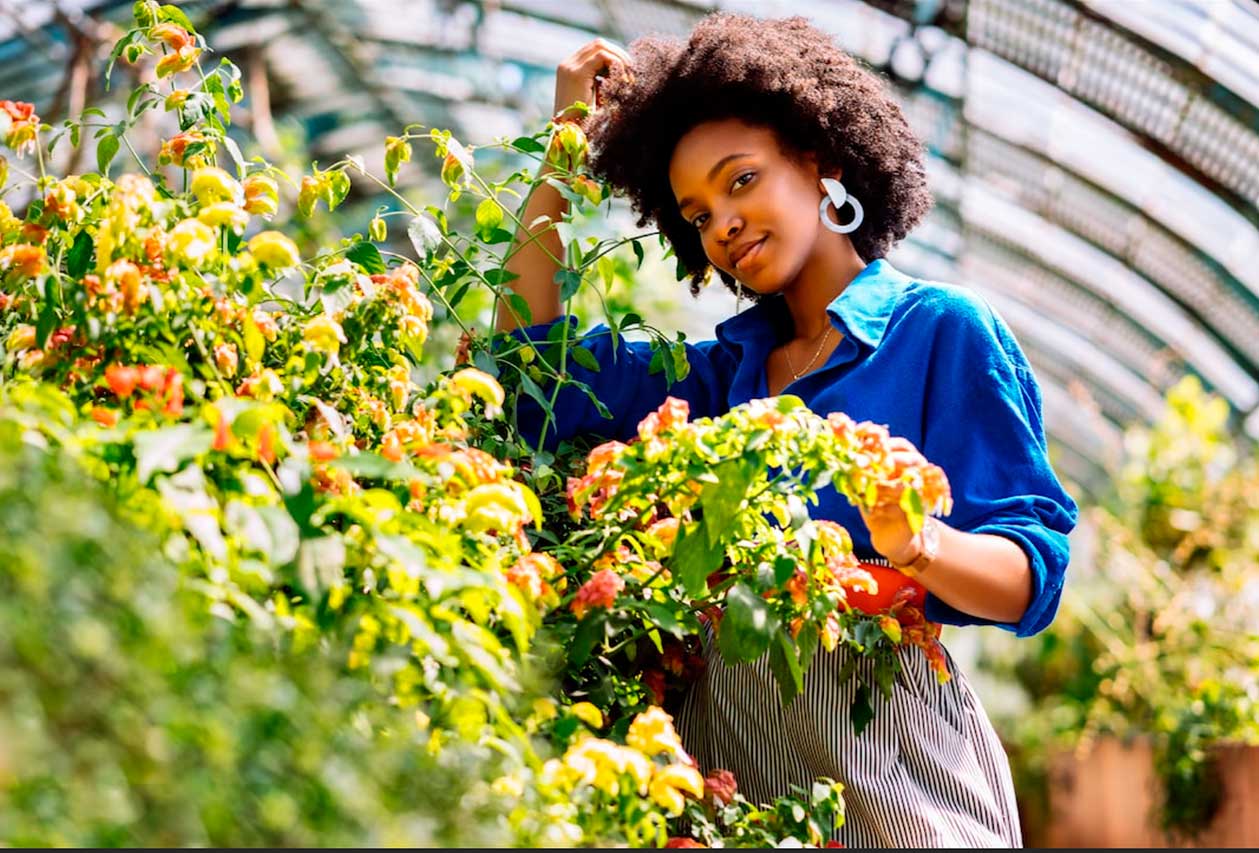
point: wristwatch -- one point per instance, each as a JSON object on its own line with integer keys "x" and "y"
{"x": 929, "y": 546}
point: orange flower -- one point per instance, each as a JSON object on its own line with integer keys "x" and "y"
{"x": 28, "y": 261}
{"x": 600, "y": 591}
{"x": 266, "y": 443}
{"x": 222, "y": 432}
{"x": 798, "y": 586}
{"x": 672, "y": 414}
{"x": 18, "y": 125}
{"x": 174, "y": 36}
{"x": 121, "y": 380}
{"x": 178, "y": 61}
{"x": 176, "y": 150}
{"x": 105, "y": 417}
{"x": 322, "y": 451}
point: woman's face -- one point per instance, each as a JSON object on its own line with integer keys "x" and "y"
{"x": 755, "y": 207}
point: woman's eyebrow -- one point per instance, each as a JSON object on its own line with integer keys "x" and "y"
{"x": 712, "y": 173}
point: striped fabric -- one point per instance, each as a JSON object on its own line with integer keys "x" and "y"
{"x": 929, "y": 771}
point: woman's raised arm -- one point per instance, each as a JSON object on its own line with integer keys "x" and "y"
{"x": 534, "y": 259}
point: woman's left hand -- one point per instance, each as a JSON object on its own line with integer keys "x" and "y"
{"x": 890, "y": 533}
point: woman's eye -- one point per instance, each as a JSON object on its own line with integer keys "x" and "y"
{"x": 743, "y": 179}
{"x": 699, "y": 221}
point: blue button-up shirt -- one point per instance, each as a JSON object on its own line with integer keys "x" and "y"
{"x": 933, "y": 362}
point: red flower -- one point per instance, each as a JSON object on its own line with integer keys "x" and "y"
{"x": 600, "y": 591}
{"x": 653, "y": 680}
{"x": 683, "y": 842}
{"x": 721, "y": 786}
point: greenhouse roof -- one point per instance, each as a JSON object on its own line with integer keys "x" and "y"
{"x": 1095, "y": 162}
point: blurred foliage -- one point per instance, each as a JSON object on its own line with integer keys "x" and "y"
{"x": 133, "y": 713}
{"x": 1159, "y": 639}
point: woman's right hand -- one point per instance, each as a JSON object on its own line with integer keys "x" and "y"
{"x": 577, "y": 77}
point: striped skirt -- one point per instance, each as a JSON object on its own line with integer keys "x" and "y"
{"x": 929, "y": 771}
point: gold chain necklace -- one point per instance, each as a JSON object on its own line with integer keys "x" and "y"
{"x": 794, "y": 376}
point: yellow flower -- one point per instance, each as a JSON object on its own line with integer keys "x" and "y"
{"x": 652, "y": 732}
{"x": 508, "y": 786}
{"x": 545, "y": 709}
{"x": 191, "y": 241}
{"x": 21, "y": 339}
{"x": 414, "y": 329}
{"x": 670, "y": 783}
{"x": 212, "y": 184}
{"x": 9, "y": 223}
{"x": 275, "y": 250}
{"x": 324, "y": 334}
{"x": 226, "y": 359}
{"x": 502, "y": 507}
{"x": 224, "y": 213}
{"x": 177, "y": 62}
{"x": 604, "y": 765}
{"x": 475, "y": 382}
{"x": 262, "y": 195}
{"x": 399, "y": 380}
{"x": 588, "y": 714}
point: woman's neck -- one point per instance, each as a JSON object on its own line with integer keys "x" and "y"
{"x": 824, "y": 276}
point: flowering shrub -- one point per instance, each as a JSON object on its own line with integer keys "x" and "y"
{"x": 253, "y": 411}
{"x": 1160, "y": 641}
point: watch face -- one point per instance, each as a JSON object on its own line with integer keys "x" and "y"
{"x": 930, "y": 535}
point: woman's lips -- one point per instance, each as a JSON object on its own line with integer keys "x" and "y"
{"x": 751, "y": 254}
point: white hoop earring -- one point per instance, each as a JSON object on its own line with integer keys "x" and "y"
{"x": 738, "y": 296}
{"x": 837, "y": 195}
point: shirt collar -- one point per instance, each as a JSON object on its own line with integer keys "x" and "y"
{"x": 863, "y": 309}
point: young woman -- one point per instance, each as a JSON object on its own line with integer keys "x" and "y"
{"x": 766, "y": 154}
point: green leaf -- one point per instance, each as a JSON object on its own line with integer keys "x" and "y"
{"x": 373, "y": 466}
{"x": 785, "y": 666}
{"x": 176, "y": 16}
{"x": 338, "y": 188}
{"x": 569, "y": 282}
{"x": 368, "y": 257}
{"x": 529, "y": 145}
{"x": 681, "y": 366}
{"x": 694, "y": 558}
{"x": 861, "y": 712}
{"x": 589, "y": 631}
{"x": 585, "y": 358}
{"x": 594, "y": 400}
{"x": 638, "y": 253}
{"x": 911, "y": 504}
{"x": 488, "y": 217}
{"x": 531, "y": 388}
{"x": 499, "y": 277}
{"x": 721, "y": 500}
{"x": 807, "y": 643}
{"x": 106, "y": 149}
{"x": 79, "y": 258}
{"x": 48, "y": 315}
{"x": 424, "y": 233}
{"x": 234, "y": 150}
{"x": 747, "y": 628}
{"x": 498, "y": 236}
{"x": 520, "y": 306}
{"x": 665, "y": 617}
{"x": 166, "y": 449}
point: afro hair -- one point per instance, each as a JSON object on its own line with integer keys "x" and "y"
{"x": 783, "y": 74}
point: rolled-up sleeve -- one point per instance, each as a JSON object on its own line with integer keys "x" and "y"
{"x": 624, "y": 384}
{"x": 985, "y": 429}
